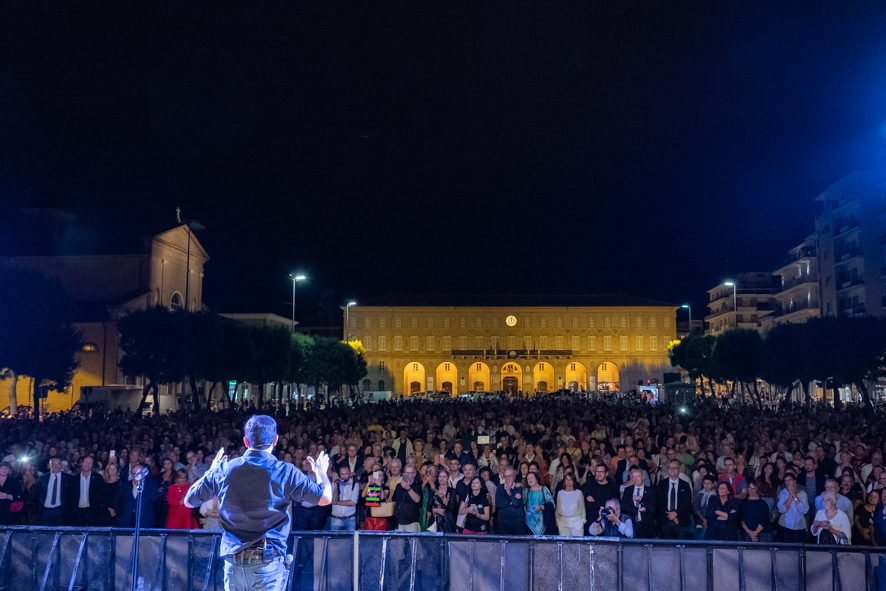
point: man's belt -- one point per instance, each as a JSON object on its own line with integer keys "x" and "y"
{"x": 256, "y": 554}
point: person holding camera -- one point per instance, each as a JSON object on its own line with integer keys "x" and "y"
{"x": 611, "y": 523}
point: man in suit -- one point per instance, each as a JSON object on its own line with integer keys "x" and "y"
{"x": 673, "y": 498}
{"x": 87, "y": 501}
{"x": 126, "y": 506}
{"x": 638, "y": 502}
{"x": 53, "y": 494}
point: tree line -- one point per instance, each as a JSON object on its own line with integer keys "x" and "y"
{"x": 834, "y": 351}
{"x": 166, "y": 346}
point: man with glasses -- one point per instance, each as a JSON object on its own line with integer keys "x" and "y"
{"x": 598, "y": 490}
{"x": 407, "y": 501}
{"x": 674, "y": 503}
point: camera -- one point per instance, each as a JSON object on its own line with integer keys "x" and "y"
{"x": 605, "y": 511}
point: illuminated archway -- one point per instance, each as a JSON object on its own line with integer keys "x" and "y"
{"x": 543, "y": 377}
{"x": 447, "y": 378}
{"x": 607, "y": 377}
{"x": 478, "y": 377}
{"x": 576, "y": 376}
{"x": 511, "y": 377}
{"x": 413, "y": 378}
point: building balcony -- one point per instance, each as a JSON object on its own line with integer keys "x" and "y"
{"x": 793, "y": 257}
{"x": 844, "y": 227}
{"x": 847, "y": 253}
{"x": 850, "y": 282}
{"x": 794, "y": 282}
{"x": 855, "y": 310}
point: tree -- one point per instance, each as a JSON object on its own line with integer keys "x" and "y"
{"x": 158, "y": 345}
{"x": 694, "y": 354}
{"x": 822, "y": 349}
{"x": 238, "y": 353}
{"x": 737, "y": 356}
{"x": 37, "y": 334}
{"x": 271, "y": 361}
{"x": 862, "y": 351}
{"x": 300, "y": 354}
{"x": 783, "y": 362}
{"x": 207, "y": 360}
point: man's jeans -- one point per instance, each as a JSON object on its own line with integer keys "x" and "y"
{"x": 346, "y": 524}
{"x": 255, "y": 576}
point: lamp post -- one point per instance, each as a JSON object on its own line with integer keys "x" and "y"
{"x": 734, "y": 300}
{"x": 348, "y": 319}
{"x": 688, "y": 307}
{"x": 295, "y": 279}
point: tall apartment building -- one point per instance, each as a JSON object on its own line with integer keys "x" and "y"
{"x": 850, "y": 231}
{"x": 744, "y": 303}
{"x": 798, "y": 297}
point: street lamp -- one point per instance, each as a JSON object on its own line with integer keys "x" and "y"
{"x": 348, "y": 318}
{"x": 295, "y": 279}
{"x": 688, "y": 307}
{"x": 734, "y": 299}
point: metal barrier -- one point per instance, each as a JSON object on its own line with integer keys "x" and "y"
{"x": 38, "y": 558}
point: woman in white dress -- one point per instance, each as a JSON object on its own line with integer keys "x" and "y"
{"x": 571, "y": 516}
{"x": 831, "y": 526}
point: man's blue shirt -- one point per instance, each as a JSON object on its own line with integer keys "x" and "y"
{"x": 255, "y": 492}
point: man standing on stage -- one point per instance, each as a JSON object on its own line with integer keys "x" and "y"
{"x": 255, "y": 492}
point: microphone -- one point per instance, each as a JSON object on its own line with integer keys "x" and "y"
{"x": 141, "y": 473}
{"x": 288, "y": 560}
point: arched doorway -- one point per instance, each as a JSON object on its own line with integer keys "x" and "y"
{"x": 511, "y": 378}
{"x": 607, "y": 377}
{"x": 478, "y": 377}
{"x": 576, "y": 376}
{"x": 413, "y": 378}
{"x": 447, "y": 377}
{"x": 543, "y": 377}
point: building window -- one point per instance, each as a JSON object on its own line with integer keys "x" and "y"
{"x": 607, "y": 321}
{"x": 543, "y": 341}
{"x": 526, "y": 322}
{"x": 527, "y": 342}
{"x": 652, "y": 322}
{"x": 575, "y": 322}
{"x": 176, "y": 302}
{"x": 495, "y": 341}
{"x": 479, "y": 322}
{"x": 544, "y": 322}
{"x": 592, "y": 343}
{"x": 446, "y": 322}
{"x": 367, "y": 343}
{"x": 495, "y": 322}
{"x": 607, "y": 343}
{"x": 559, "y": 322}
{"x": 367, "y": 385}
{"x": 367, "y": 322}
{"x": 653, "y": 343}
{"x": 413, "y": 343}
{"x": 667, "y": 322}
{"x": 559, "y": 341}
{"x": 381, "y": 365}
{"x": 447, "y": 343}
{"x": 479, "y": 367}
{"x": 430, "y": 322}
{"x": 381, "y": 385}
{"x": 623, "y": 343}
{"x": 398, "y": 322}
{"x": 462, "y": 322}
{"x": 462, "y": 343}
{"x": 381, "y": 322}
{"x": 591, "y": 322}
{"x": 639, "y": 322}
{"x": 415, "y": 322}
{"x": 398, "y": 343}
{"x": 430, "y": 343}
{"x": 576, "y": 342}
{"x": 623, "y": 322}
{"x": 445, "y": 367}
{"x": 353, "y": 322}
{"x": 639, "y": 343}
{"x": 512, "y": 342}
{"x": 382, "y": 343}
{"x": 604, "y": 366}
{"x": 478, "y": 343}
{"x": 89, "y": 348}
{"x": 415, "y": 367}
{"x": 541, "y": 367}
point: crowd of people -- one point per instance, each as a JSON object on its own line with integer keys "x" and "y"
{"x": 547, "y": 466}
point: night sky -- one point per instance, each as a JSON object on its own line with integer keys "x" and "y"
{"x": 638, "y": 147}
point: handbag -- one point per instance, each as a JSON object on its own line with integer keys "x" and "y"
{"x": 16, "y": 506}
{"x": 383, "y": 510}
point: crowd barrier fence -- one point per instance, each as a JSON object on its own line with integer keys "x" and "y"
{"x": 99, "y": 559}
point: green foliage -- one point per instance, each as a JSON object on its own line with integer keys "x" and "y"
{"x": 784, "y": 360}
{"x": 738, "y": 355}
{"x": 157, "y": 343}
{"x": 37, "y": 334}
{"x": 694, "y": 354}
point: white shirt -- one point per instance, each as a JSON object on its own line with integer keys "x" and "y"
{"x": 795, "y": 516}
{"x": 84, "y": 490}
{"x": 347, "y": 491}
{"x": 48, "y": 502}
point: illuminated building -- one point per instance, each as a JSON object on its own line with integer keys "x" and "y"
{"x": 513, "y": 343}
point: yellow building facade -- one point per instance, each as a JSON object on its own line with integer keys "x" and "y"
{"x": 517, "y": 344}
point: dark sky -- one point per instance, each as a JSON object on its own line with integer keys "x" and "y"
{"x": 638, "y": 147}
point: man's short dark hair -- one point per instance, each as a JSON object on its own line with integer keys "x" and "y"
{"x": 260, "y": 431}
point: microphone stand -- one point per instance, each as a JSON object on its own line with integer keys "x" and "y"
{"x": 140, "y": 487}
